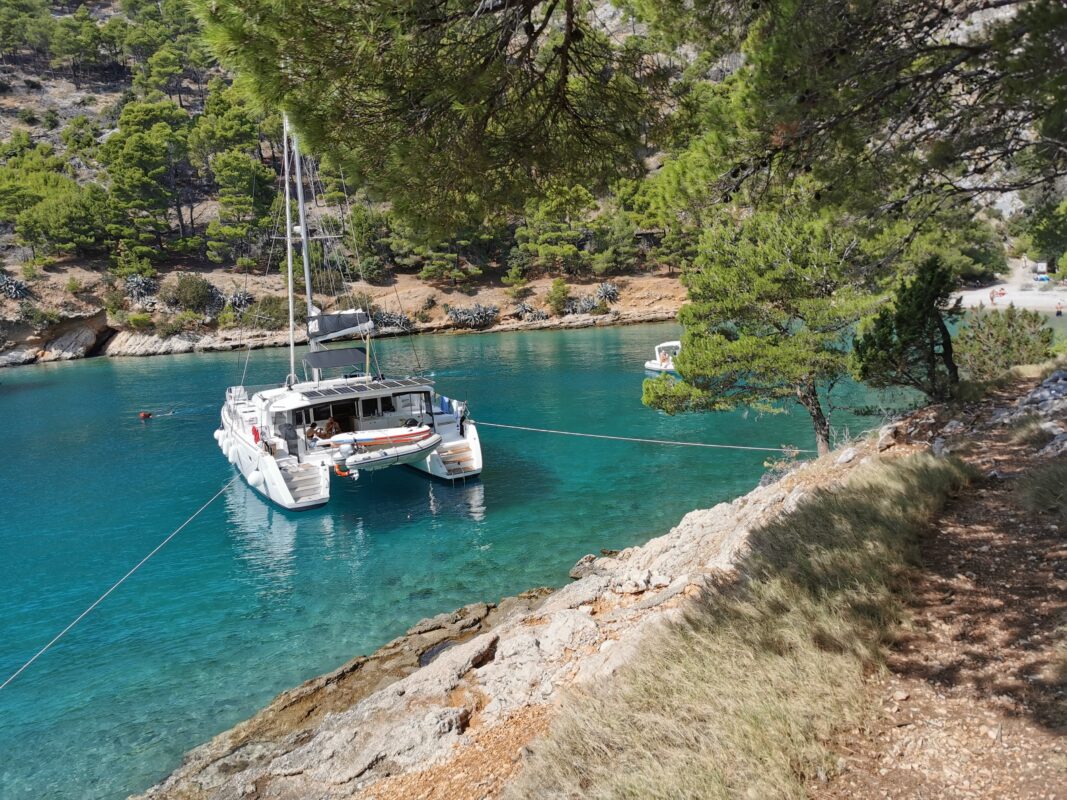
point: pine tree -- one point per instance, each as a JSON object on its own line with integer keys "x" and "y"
{"x": 246, "y": 191}
{"x": 774, "y": 298}
{"x": 909, "y": 343}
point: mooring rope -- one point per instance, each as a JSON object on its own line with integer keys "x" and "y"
{"x": 782, "y": 449}
{"x": 117, "y": 584}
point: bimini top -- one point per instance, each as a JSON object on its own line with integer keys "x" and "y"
{"x": 323, "y": 327}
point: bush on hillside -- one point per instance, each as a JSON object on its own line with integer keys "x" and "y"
{"x": 992, "y": 342}
{"x": 189, "y": 292}
{"x": 12, "y": 288}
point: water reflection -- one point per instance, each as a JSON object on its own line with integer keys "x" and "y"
{"x": 265, "y": 537}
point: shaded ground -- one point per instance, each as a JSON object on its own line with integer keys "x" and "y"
{"x": 974, "y": 703}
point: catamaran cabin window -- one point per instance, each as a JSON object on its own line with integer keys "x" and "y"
{"x": 387, "y": 405}
{"x": 368, "y": 407}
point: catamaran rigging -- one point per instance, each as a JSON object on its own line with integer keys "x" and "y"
{"x": 374, "y": 422}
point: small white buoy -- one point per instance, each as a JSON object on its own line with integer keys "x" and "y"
{"x": 255, "y": 480}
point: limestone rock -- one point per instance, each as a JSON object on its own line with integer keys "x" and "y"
{"x": 76, "y": 342}
{"x": 847, "y": 455}
{"x": 888, "y": 436}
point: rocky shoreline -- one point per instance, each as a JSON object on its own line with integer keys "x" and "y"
{"x": 84, "y": 336}
{"x": 474, "y": 687}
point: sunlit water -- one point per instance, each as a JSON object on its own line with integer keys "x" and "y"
{"x": 249, "y": 600}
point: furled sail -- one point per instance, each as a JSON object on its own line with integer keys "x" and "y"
{"x": 324, "y": 327}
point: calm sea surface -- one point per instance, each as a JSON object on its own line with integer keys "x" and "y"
{"x": 249, "y": 600}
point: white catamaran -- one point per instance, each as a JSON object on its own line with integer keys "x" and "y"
{"x": 291, "y": 441}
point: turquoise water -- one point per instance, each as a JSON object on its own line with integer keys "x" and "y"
{"x": 250, "y": 600}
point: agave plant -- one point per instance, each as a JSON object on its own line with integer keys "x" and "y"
{"x": 607, "y": 292}
{"x": 391, "y": 319}
{"x": 476, "y": 316}
{"x": 140, "y": 287}
{"x": 240, "y": 300}
{"x": 15, "y": 289}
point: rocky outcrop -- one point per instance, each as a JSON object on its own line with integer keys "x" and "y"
{"x": 76, "y": 336}
{"x": 484, "y": 666}
{"x": 132, "y": 343}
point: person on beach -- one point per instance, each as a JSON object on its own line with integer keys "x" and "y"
{"x": 992, "y": 297}
{"x": 1059, "y": 308}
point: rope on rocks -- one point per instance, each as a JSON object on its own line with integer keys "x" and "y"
{"x": 117, "y": 584}
{"x": 782, "y": 449}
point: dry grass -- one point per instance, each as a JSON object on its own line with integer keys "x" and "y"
{"x": 1027, "y": 430}
{"x": 737, "y": 702}
{"x": 1045, "y": 490}
{"x": 1038, "y": 371}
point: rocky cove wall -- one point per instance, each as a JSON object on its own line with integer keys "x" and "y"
{"x": 89, "y": 335}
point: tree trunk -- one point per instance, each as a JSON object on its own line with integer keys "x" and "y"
{"x": 808, "y": 397}
{"x": 947, "y": 355}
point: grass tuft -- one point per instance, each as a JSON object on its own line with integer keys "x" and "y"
{"x": 738, "y": 701}
{"x": 1027, "y": 430}
{"x": 1044, "y": 489}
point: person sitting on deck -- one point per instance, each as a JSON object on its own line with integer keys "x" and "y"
{"x": 313, "y": 434}
{"x": 333, "y": 427}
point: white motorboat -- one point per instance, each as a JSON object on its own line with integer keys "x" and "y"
{"x": 665, "y": 355}
{"x": 292, "y": 441}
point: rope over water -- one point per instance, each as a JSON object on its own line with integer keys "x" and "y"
{"x": 782, "y": 449}
{"x": 116, "y": 585}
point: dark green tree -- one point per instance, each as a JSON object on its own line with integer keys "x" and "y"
{"x": 774, "y": 298}
{"x": 909, "y": 343}
{"x": 991, "y": 342}
{"x": 246, "y": 191}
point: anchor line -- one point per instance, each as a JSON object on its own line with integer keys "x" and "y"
{"x": 116, "y": 585}
{"x": 782, "y": 449}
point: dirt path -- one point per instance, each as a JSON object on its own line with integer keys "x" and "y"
{"x": 974, "y": 702}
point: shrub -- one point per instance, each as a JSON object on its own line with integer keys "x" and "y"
{"x": 73, "y": 285}
{"x": 51, "y": 119}
{"x": 1028, "y": 430}
{"x": 5, "y": 87}
{"x": 114, "y": 300}
{"x": 26, "y": 116}
{"x": 557, "y": 297}
{"x": 992, "y": 342}
{"x": 227, "y": 318}
{"x": 179, "y": 323}
{"x": 429, "y": 303}
{"x": 245, "y": 264}
{"x": 189, "y": 292}
{"x": 474, "y": 317}
{"x": 529, "y": 313}
{"x": 272, "y": 313}
{"x": 1045, "y": 490}
{"x": 30, "y": 271}
{"x": 586, "y": 304}
{"x": 127, "y": 263}
{"x": 32, "y": 84}
{"x": 37, "y": 318}
{"x": 139, "y": 321}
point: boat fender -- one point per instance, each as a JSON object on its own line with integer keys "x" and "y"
{"x": 255, "y": 480}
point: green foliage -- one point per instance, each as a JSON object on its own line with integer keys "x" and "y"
{"x": 909, "y": 344}
{"x": 27, "y": 116}
{"x": 80, "y": 136}
{"x": 246, "y": 191}
{"x": 189, "y": 292}
{"x": 226, "y": 124}
{"x": 29, "y": 271}
{"x": 40, "y": 319}
{"x": 179, "y": 323}
{"x": 556, "y": 229}
{"x": 73, "y": 285}
{"x": 488, "y": 105}
{"x": 271, "y": 313}
{"x": 139, "y": 321}
{"x": 773, "y": 300}
{"x": 557, "y": 297}
{"x": 228, "y": 318}
{"x": 991, "y": 342}
{"x": 127, "y": 263}
{"x": 145, "y": 159}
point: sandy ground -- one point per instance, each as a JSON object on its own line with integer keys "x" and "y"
{"x": 1021, "y": 289}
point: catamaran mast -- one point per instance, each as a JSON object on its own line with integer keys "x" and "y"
{"x": 303, "y": 224}
{"x": 289, "y": 250}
